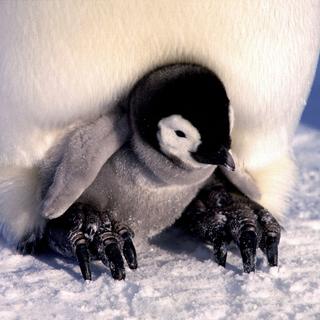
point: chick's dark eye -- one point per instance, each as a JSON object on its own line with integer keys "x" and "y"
{"x": 180, "y": 133}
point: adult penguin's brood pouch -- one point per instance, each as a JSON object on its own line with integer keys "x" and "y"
{"x": 63, "y": 63}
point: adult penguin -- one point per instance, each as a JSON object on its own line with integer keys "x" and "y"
{"x": 64, "y": 64}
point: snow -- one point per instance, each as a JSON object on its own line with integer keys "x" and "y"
{"x": 177, "y": 278}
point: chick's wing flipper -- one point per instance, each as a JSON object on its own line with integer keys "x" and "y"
{"x": 73, "y": 165}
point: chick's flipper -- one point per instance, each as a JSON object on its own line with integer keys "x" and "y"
{"x": 87, "y": 234}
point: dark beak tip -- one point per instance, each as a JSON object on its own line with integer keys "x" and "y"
{"x": 230, "y": 167}
{"x": 223, "y": 158}
{"x": 229, "y": 162}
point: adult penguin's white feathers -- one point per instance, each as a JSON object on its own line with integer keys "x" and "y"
{"x": 67, "y": 62}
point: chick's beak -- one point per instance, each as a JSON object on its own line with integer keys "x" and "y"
{"x": 228, "y": 161}
{"x": 221, "y": 157}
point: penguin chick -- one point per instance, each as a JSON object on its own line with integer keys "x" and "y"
{"x": 176, "y": 144}
{"x": 180, "y": 120}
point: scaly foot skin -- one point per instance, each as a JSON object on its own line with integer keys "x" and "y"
{"x": 220, "y": 214}
{"x": 90, "y": 235}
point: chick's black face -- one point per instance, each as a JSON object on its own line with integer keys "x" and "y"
{"x": 183, "y": 106}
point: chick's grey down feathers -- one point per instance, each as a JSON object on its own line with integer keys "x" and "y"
{"x": 139, "y": 185}
{"x": 144, "y": 188}
{"x": 72, "y": 166}
{"x": 138, "y": 180}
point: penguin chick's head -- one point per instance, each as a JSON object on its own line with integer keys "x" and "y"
{"x": 182, "y": 110}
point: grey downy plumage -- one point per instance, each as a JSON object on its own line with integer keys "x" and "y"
{"x": 180, "y": 127}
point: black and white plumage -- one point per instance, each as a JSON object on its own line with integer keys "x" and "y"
{"x": 149, "y": 182}
{"x": 172, "y": 100}
{"x": 63, "y": 64}
{"x": 174, "y": 148}
{"x": 180, "y": 131}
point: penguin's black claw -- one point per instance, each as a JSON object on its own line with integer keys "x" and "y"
{"x": 128, "y": 249}
{"x": 108, "y": 246}
{"x": 220, "y": 214}
{"x": 271, "y": 233}
{"x": 66, "y": 236}
{"x": 83, "y": 257}
{"x": 220, "y": 251}
{"x": 87, "y": 234}
{"x": 115, "y": 261}
{"x": 242, "y": 225}
{"x": 271, "y": 250}
{"x": 247, "y": 246}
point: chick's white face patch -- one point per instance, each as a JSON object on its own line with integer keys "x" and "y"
{"x": 178, "y": 138}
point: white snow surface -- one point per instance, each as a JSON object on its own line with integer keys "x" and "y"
{"x": 177, "y": 278}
